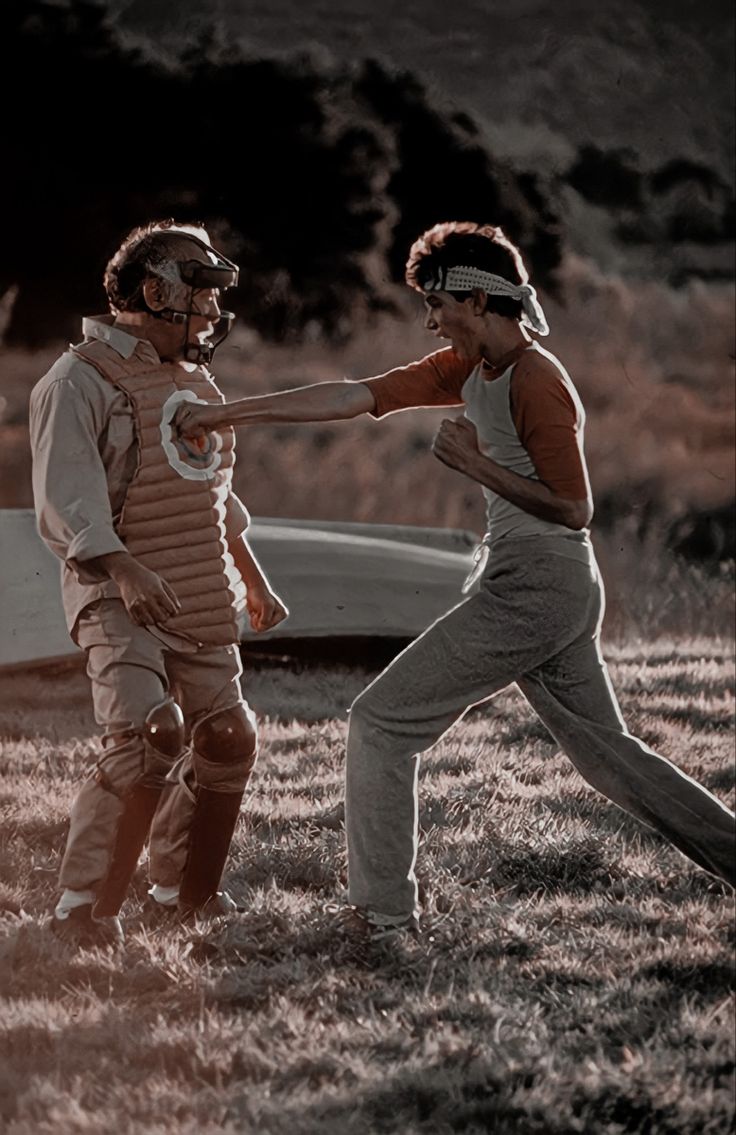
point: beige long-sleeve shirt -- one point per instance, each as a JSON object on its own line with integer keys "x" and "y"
{"x": 84, "y": 456}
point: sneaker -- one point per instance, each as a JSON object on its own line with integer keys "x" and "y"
{"x": 219, "y": 905}
{"x": 79, "y": 928}
{"x": 361, "y": 924}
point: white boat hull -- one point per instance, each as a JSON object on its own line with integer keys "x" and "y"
{"x": 337, "y": 580}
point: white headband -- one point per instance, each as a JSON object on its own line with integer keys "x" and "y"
{"x": 463, "y": 278}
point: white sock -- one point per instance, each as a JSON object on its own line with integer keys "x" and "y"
{"x": 167, "y": 896}
{"x": 70, "y": 900}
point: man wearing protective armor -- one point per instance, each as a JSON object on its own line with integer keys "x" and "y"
{"x": 156, "y": 568}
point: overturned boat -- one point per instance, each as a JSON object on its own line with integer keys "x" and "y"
{"x": 339, "y": 580}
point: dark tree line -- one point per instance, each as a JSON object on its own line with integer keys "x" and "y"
{"x": 315, "y": 181}
{"x": 681, "y": 202}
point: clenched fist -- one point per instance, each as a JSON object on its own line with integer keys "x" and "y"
{"x": 265, "y": 610}
{"x": 194, "y": 421}
{"x": 455, "y": 443}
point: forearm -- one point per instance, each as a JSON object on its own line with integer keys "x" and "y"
{"x": 533, "y": 497}
{"x": 265, "y": 609}
{"x": 321, "y": 402}
{"x": 246, "y": 563}
{"x": 82, "y": 542}
{"x": 110, "y": 566}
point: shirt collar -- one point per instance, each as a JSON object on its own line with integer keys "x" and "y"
{"x": 494, "y": 370}
{"x": 102, "y": 327}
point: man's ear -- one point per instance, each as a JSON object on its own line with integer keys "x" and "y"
{"x": 153, "y": 293}
{"x": 479, "y": 299}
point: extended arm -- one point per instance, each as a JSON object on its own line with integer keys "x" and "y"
{"x": 321, "y": 402}
{"x": 433, "y": 381}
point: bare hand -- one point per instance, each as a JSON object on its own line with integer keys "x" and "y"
{"x": 194, "y": 420}
{"x": 265, "y": 609}
{"x": 147, "y": 597}
{"x": 456, "y": 441}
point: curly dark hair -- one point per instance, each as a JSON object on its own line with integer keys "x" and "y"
{"x": 148, "y": 250}
{"x": 454, "y": 243}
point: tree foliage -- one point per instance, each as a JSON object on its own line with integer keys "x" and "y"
{"x": 681, "y": 202}
{"x": 315, "y": 179}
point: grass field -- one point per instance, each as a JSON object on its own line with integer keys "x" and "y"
{"x": 575, "y": 974}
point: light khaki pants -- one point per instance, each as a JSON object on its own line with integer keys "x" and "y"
{"x": 535, "y": 621}
{"x": 131, "y": 672}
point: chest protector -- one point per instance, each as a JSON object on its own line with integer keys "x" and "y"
{"x": 173, "y": 516}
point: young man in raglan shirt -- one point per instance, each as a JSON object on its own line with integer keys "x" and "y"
{"x": 535, "y": 607}
{"x": 156, "y": 566}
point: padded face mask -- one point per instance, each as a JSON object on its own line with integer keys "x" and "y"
{"x": 217, "y": 272}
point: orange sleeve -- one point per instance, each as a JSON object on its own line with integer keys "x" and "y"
{"x": 436, "y": 380}
{"x": 549, "y": 420}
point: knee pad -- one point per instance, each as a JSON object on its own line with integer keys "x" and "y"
{"x": 163, "y": 737}
{"x": 224, "y": 748}
{"x": 144, "y": 755}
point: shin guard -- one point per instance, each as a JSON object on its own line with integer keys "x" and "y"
{"x": 163, "y": 736}
{"x": 224, "y": 751}
{"x": 132, "y": 832}
{"x": 213, "y": 824}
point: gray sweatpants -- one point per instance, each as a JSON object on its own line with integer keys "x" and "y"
{"x": 535, "y": 621}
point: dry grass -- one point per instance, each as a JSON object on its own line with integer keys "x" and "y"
{"x": 576, "y": 973}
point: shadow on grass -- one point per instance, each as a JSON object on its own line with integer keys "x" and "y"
{"x": 709, "y": 980}
{"x": 42, "y": 835}
{"x": 720, "y": 780}
{"x": 466, "y": 1092}
{"x": 579, "y": 869}
{"x": 369, "y": 652}
{"x": 701, "y": 721}
{"x": 296, "y": 867}
{"x": 460, "y": 1093}
{"x": 272, "y": 956}
{"x": 594, "y": 809}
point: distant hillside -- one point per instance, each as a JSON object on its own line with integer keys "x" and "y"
{"x": 633, "y": 96}
{"x": 319, "y": 193}
{"x": 317, "y": 165}
{"x": 542, "y": 76}
{"x": 601, "y": 139}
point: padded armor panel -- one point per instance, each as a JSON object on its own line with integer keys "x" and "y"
{"x": 213, "y": 824}
{"x": 164, "y": 728}
{"x": 227, "y": 736}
